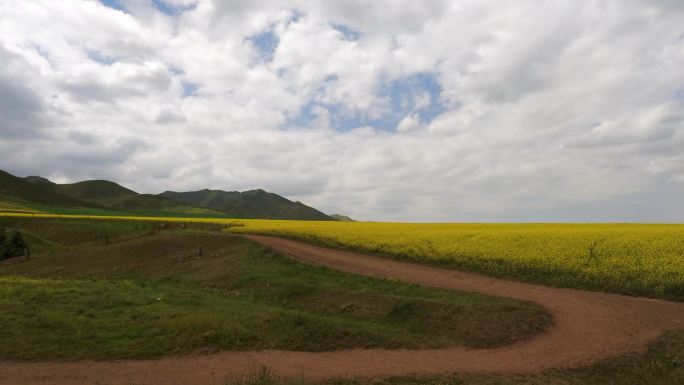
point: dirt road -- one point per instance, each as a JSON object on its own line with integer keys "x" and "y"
{"x": 588, "y": 326}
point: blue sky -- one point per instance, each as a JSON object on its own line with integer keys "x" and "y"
{"x": 162, "y": 6}
{"x": 266, "y": 42}
{"x": 400, "y": 95}
{"x": 116, "y": 4}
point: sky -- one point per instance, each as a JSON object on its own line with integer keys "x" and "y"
{"x": 441, "y": 111}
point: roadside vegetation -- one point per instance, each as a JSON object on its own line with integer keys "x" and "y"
{"x": 662, "y": 364}
{"x": 12, "y": 244}
{"x": 146, "y": 290}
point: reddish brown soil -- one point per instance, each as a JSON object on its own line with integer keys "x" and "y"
{"x": 588, "y": 326}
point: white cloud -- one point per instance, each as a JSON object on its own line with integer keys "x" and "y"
{"x": 553, "y": 111}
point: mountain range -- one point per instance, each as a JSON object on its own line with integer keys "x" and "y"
{"x": 34, "y": 193}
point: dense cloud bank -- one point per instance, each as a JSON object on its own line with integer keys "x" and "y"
{"x": 387, "y": 110}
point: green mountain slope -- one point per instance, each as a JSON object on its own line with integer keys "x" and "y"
{"x": 96, "y": 191}
{"x": 150, "y": 202}
{"x": 34, "y": 192}
{"x": 139, "y": 202}
{"x": 21, "y": 191}
{"x": 342, "y": 218}
{"x": 40, "y": 181}
{"x": 257, "y": 204}
{"x": 111, "y": 195}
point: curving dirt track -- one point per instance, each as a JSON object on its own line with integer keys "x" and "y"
{"x": 588, "y": 326}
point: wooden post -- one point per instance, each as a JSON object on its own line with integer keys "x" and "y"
{"x": 199, "y": 251}
{"x": 27, "y": 254}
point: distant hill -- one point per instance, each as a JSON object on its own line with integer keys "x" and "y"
{"x": 258, "y": 204}
{"x": 110, "y": 195}
{"x": 40, "y": 181}
{"x": 342, "y": 218}
{"x": 96, "y": 191}
{"x": 140, "y": 202}
{"x": 20, "y": 190}
{"x": 25, "y": 194}
{"x": 115, "y": 196}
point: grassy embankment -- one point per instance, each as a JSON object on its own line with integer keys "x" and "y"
{"x": 112, "y": 289}
{"x": 662, "y": 364}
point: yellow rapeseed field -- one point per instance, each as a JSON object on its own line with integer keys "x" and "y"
{"x": 626, "y": 258}
{"x": 639, "y": 259}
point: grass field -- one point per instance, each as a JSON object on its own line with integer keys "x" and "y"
{"x": 635, "y": 259}
{"x": 144, "y": 293}
{"x": 182, "y": 212}
{"x": 9, "y": 207}
{"x": 53, "y": 234}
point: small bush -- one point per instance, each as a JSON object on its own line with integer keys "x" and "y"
{"x": 13, "y": 246}
{"x": 2, "y": 244}
{"x": 262, "y": 375}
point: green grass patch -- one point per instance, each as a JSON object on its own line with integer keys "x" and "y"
{"x": 173, "y": 212}
{"x": 152, "y": 296}
{"x": 662, "y": 364}
{"x": 11, "y": 207}
{"x": 101, "y": 319}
